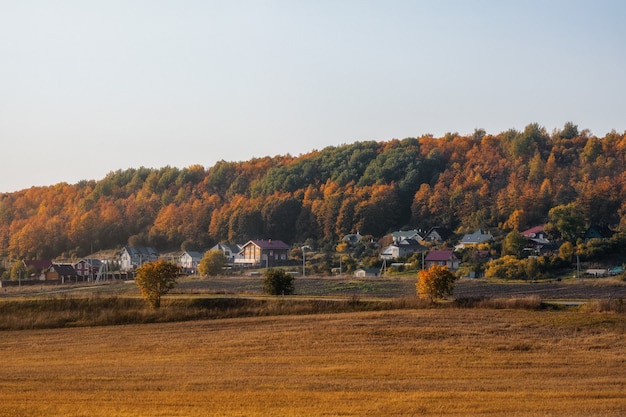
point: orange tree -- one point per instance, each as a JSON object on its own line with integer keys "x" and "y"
{"x": 156, "y": 279}
{"x": 435, "y": 282}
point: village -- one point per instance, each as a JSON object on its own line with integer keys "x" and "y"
{"x": 406, "y": 249}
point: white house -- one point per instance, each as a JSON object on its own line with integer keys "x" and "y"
{"x": 401, "y": 248}
{"x": 132, "y": 257}
{"x": 231, "y": 252}
{"x": 401, "y": 235}
{"x": 189, "y": 261}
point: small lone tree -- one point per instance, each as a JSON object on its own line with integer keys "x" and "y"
{"x": 212, "y": 263}
{"x": 156, "y": 279}
{"x": 435, "y": 282}
{"x": 278, "y": 282}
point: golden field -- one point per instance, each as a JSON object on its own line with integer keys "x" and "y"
{"x": 453, "y": 362}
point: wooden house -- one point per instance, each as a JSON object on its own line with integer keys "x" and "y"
{"x": 263, "y": 253}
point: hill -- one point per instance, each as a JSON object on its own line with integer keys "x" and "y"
{"x": 509, "y": 181}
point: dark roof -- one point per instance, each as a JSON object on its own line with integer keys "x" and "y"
{"x": 598, "y": 232}
{"x": 63, "y": 269}
{"x": 409, "y": 243}
{"x": 352, "y": 238}
{"x": 270, "y": 244}
{"x": 231, "y": 247}
{"x": 193, "y": 254}
{"x": 39, "y": 264}
{"x": 443, "y": 232}
{"x": 141, "y": 251}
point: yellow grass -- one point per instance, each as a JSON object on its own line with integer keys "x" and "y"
{"x": 458, "y": 362}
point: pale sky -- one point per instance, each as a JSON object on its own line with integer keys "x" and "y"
{"x": 93, "y": 86}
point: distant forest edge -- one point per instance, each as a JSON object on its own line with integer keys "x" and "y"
{"x": 508, "y": 181}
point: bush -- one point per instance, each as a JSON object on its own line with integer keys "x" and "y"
{"x": 278, "y": 282}
{"x": 435, "y": 282}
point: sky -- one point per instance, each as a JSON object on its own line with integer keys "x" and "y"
{"x": 90, "y": 87}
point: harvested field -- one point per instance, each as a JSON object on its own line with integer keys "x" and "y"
{"x": 454, "y": 362}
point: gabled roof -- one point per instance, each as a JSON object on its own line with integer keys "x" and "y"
{"x": 353, "y": 238}
{"x": 407, "y": 234}
{"x": 269, "y": 244}
{"x": 598, "y": 232}
{"x": 233, "y": 248}
{"x": 63, "y": 269}
{"x": 477, "y": 237}
{"x": 443, "y": 232}
{"x": 91, "y": 261}
{"x": 141, "y": 251}
{"x": 440, "y": 255}
{"x": 39, "y": 264}
{"x": 533, "y": 231}
{"x": 409, "y": 243}
{"x": 193, "y": 254}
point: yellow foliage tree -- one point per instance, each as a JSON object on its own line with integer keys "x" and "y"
{"x": 435, "y": 282}
{"x": 156, "y": 279}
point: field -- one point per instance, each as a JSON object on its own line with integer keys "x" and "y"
{"x": 312, "y": 355}
{"x": 463, "y": 362}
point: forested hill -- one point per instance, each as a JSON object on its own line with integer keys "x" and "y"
{"x": 509, "y": 180}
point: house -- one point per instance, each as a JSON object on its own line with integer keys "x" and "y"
{"x": 88, "y": 268}
{"x": 61, "y": 273}
{"x": 39, "y": 266}
{"x": 399, "y": 236}
{"x": 132, "y": 257}
{"x": 231, "y": 252}
{"x": 352, "y": 239}
{"x": 537, "y": 232}
{"x": 442, "y": 258}
{"x": 263, "y": 253}
{"x": 438, "y": 234}
{"x": 366, "y": 272}
{"x": 537, "y": 242}
{"x": 401, "y": 248}
{"x": 189, "y": 261}
{"x": 597, "y": 232}
{"x": 474, "y": 239}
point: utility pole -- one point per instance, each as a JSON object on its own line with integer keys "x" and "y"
{"x": 304, "y": 260}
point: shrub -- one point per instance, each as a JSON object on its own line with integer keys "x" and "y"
{"x": 278, "y": 282}
{"x": 435, "y": 282}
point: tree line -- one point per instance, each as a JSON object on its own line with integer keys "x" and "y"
{"x": 509, "y": 180}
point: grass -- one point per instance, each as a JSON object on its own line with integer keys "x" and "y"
{"x": 98, "y": 310}
{"x": 430, "y": 362}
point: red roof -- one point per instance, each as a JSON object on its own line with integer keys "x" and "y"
{"x": 440, "y": 255}
{"x": 533, "y": 231}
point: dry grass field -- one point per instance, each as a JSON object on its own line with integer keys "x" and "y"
{"x": 426, "y": 362}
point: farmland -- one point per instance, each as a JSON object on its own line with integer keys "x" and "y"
{"x": 404, "y": 362}
{"x": 313, "y": 354}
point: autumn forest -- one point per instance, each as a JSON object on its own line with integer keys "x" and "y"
{"x": 508, "y": 181}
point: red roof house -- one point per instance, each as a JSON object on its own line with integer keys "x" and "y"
{"x": 443, "y": 258}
